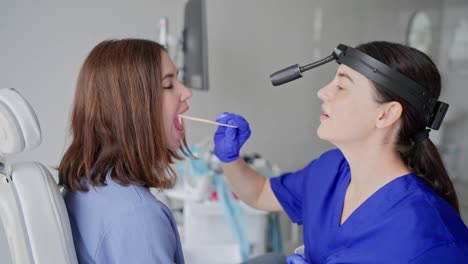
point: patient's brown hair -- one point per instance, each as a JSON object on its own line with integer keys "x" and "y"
{"x": 116, "y": 120}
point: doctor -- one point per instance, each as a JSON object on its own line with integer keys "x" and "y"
{"x": 384, "y": 195}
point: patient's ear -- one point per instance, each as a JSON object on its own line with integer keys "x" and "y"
{"x": 389, "y": 114}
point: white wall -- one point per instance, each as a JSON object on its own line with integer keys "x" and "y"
{"x": 43, "y": 44}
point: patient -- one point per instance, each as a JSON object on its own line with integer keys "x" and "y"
{"x": 125, "y": 134}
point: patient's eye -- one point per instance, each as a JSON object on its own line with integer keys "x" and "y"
{"x": 167, "y": 85}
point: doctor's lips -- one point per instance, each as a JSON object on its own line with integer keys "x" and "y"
{"x": 324, "y": 114}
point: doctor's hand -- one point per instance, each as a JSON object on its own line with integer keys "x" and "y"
{"x": 296, "y": 259}
{"x": 228, "y": 141}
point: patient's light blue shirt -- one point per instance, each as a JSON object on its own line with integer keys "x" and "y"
{"x": 122, "y": 224}
{"x": 405, "y": 221}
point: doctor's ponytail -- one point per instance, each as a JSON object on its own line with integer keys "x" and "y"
{"x": 415, "y": 147}
{"x": 424, "y": 160}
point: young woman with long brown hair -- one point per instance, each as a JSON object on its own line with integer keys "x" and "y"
{"x": 125, "y": 134}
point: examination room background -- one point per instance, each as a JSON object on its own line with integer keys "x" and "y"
{"x": 43, "y": 44}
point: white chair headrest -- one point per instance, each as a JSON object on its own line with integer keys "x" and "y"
{"x": 19, "y": 127}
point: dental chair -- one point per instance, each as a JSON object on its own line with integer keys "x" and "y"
{"x": 34, "y": 224}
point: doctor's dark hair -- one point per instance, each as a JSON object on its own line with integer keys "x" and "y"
{"x": 116, "y": 121}
{"x": 421, "y": 157}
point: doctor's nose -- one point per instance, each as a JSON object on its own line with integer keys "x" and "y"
{"x": 324, "y": 93}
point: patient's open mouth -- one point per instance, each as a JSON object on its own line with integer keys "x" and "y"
{"x": 178, "y": 123}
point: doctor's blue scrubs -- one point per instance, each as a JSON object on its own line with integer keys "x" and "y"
{"x": 405, "y": 221}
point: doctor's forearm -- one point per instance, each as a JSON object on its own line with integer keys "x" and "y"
{"x": 250, "y": 186}
{"x": 245, "y": 181}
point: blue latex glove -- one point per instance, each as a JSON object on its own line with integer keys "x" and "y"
{"x": 228, "y": 141}
{"x": 296, "y": 259}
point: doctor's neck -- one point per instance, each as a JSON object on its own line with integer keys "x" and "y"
{"x": 373, "y": 167}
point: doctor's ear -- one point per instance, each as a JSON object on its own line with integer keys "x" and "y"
{"x": 389, "y": 113}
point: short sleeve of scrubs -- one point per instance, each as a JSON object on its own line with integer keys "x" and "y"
{"x": 290, "y": 188}
{"x": 142, "y": 234}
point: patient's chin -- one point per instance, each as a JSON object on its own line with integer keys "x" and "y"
{"x": 174, "y": 146}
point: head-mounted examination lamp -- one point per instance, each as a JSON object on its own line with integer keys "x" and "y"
{"x": 389, "y": 78}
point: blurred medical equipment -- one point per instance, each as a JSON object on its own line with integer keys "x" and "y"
{"x": 206, "y": 121}
{"x": 163, "y": 32}
{"x": 215, "y": 226}
{"x": 433, "y": 110}
{"x": 192, "y": 43}
{"x": 34, "y": 224}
